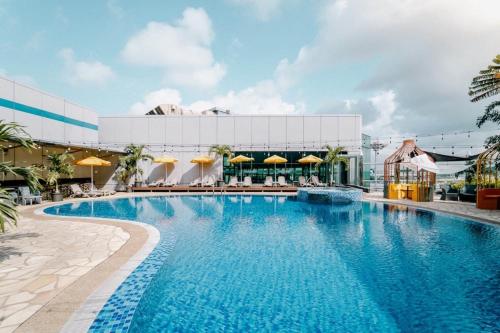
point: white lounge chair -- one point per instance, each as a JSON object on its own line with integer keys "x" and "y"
{"x": 315, "y": 181}
{"x": 155, "y": 183}
{"x": 196, "y": 182}
{"x": 247, "y": 181}
{"x": 209, "y": 181}
{"x": 233, "y": 181}
{"x": 269, "y": 181}
{"x": 26, "y": 195}
{"x": 170, "y": 183}
{"x": 303, "y": 182}
{"x": 77, "y": 192}
{"x": 282, "y": 181}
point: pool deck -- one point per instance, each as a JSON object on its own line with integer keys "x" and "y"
{"x": 49, "y": 273}
{"x": 464, "y": 209}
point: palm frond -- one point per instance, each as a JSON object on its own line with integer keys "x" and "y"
{"x": 8, "y": 211}
{"x": 15, "y": 133}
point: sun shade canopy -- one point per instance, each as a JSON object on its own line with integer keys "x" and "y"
{"x": 310, "y": 159}
{"x": 202, "y": 159}
{"x": 241, "y": 159}
{"x": 165, "y": 159}
{"x": 93, "y": 161}
{"x": 275, "y": 159}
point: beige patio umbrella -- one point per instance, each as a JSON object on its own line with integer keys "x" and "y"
{"x": 92, "y": 161}
{"x": 275, "y": 159}
{"x": 310, "y": 159}
{"x": 165, "y": 160}
{"x": 241, "y": 159}
{"x": 202, "y": 160}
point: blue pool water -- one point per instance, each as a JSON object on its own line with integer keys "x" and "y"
{"x": 268, "y": 264}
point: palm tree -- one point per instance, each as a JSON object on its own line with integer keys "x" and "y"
{"x": 485, "y": 85}
{"x": 13, "y": 133}
{"x": 59, "y": 166}
{"x": 221, "y": 151}
{"x": 130, "y": 162}
{"x": 332, "y": 157}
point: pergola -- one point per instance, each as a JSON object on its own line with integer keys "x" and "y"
{"x": 408, "y": 174}
{"x": 488, "y": 182}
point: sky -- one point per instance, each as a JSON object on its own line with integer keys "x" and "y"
{"x": 405, "y": 65}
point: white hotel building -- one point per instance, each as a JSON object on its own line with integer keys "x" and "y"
{"x": 58, "y": 125}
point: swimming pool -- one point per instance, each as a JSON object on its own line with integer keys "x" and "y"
{"x": 270, "y": 263}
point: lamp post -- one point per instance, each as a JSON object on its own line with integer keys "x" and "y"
{"x": 376, "y": 147}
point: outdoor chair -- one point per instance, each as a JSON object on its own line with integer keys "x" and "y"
{"x": 169, "y": 183}
{"x": 468, "y": 194}
{"x": 247, "y": 182}
{"x": 196, "y": 182}
{"x": 269, "y": 181}
{"x": 233, "y": 181}
{"x": 315, "y": 181}
{"x": 282, "y": 181}
{"x": 452, "y": 194}
{"x": 77, "y": 192}
{"x": 155, "y": 183}
{"x": 303, "y": 182}
{"x": 26, "y": 196}
{"x": 210, "y": 181}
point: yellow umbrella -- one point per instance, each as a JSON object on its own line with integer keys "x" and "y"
{"x": 202, "y": 160}
{"x": 275, "y": 159}
{"x": 310, "y": 159}
{"x": 240, "y": 159}
{"x": 92, "y": 161}
{"x": 165, "y": 160}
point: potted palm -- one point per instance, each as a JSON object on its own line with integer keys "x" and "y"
{"x": 220, "y": 151}
{"x": 59, "y": 166}
{"x": 129, "y": 164}
{"x": 333, "y": 157}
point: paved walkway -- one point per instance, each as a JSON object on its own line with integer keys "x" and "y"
{"x": 465, "y": 209}
{"x": 39, "y": 258}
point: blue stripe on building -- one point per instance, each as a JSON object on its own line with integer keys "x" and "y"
{"x": 45, "y": 114}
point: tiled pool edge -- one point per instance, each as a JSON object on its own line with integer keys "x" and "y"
{"x": 80, "y": 317}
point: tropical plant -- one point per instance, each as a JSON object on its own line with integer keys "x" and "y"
{"x": 485, "y": 85}
{"x": 12, "y": 133}
{"x": 129, "y": 164}
{"x": 333, "y": 157}
{"x": 59, "y": 167}
{"x": 220, "y": 151}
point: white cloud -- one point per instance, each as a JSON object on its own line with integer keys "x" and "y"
{"x": 263, "y": 98}
{"x": 181, "y": 49}
{"x": 91, "y": 72}
{"x": 263, "y": 9}
{"x": 155, "y": 98}
{"x": 426, "y": 52}
{"x": 385, "y": 105}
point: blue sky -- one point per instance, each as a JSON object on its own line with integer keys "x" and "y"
{"x": 384, "y": 59}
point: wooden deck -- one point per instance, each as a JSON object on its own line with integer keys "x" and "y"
{"x": 215, "y": 189}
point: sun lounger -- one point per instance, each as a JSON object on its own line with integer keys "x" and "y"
{"x": 315, "y": 181}
{"x": 196, "y": 182}
{"x": 247, "y": 182}
{"x": 210, "y": 181}
{"x": 26, "y": 196}
{"x": 155, "y": 183}
{"x": 282, "y": 181}
{"x": 77, "y": 192}
{"x": 303, "y": 182}
{"x": 268, "y": 182}
{"x": 233, "y": 181}
{"x": 170, "y": 183}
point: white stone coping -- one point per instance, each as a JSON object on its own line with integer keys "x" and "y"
{"x": 82, "y": 319}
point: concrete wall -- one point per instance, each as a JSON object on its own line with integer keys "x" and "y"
{"x": 46, "y": 117}
{"x": 190, "y": 135}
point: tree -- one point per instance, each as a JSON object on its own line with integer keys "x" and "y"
{"x": 59, "y": 167}
{"x": 483, "y": 86}
{"x": 130, "y": 162}
{"x": 13, "y": 133}
{"x": 332, "y": 157}
{"x": 220, "y": 151}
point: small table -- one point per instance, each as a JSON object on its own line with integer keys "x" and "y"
{"x": 407, "y": 192}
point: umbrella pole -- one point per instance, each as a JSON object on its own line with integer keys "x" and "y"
{"x": 166, "y": 172}
{"x": 275, "y": 173}
{"x": 91, "y": 177}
